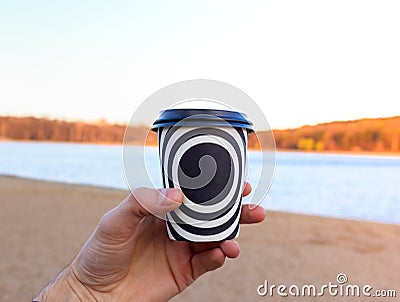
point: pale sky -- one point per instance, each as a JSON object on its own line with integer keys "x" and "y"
{"x": 303, "y": 62}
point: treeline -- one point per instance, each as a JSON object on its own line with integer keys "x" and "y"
{"x": 31, "y": 128}
{"x": 42, "y": 129}
{"x": 378, "y": 135}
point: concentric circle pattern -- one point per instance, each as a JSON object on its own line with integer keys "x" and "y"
{"x": 208, "y": 165}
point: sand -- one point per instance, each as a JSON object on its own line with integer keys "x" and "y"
{"x": 44, "y": 224}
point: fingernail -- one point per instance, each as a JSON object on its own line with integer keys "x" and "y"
{"x": 170, "y": 197}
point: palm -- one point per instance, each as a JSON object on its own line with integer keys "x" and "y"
{"x": 167, "y": 261}
{"x": 174, "y": 264}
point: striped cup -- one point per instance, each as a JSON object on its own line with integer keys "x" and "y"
{"x": 203, "y": 152}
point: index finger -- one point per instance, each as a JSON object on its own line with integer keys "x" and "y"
{"x": 251, "y": 214}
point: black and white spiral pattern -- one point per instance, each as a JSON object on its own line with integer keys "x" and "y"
{"x": 208, "y": 164}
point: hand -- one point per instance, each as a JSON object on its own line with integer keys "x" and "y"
{"x": 129, "y": 257}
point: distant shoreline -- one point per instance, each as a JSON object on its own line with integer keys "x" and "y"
{"x": 344, "y": 152}
{"x": 2, "y": 140}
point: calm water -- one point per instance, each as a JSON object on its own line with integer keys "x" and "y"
{"x": 347, "y": 186}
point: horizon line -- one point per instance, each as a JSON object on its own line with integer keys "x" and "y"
{"x": 106, "y": 121}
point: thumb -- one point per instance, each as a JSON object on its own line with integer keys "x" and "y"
{"x": 119, "y": 223}
{"x": 157, "y": 202}
{"x": 145, "y": 202}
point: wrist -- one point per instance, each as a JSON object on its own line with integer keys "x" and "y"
{"x": 65, "y": 288}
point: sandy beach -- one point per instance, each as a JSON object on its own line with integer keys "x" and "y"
{"x": 44, "y": 225}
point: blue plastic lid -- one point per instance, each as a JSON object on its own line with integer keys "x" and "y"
{"x": 202, "y": 117}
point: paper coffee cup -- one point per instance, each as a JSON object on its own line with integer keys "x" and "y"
{"x": 203, "y": 152}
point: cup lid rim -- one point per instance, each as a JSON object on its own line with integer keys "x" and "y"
{"x": 169, "y": 117}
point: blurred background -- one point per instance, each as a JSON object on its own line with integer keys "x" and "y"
{"x": 325, "y": 74}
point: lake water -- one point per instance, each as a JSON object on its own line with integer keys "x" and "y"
{"x": 345, "y": 186}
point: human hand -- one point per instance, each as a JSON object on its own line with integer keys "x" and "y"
{"x": 129, "y": 256}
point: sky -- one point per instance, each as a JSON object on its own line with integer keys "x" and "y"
{"x": 302, "y": 62}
